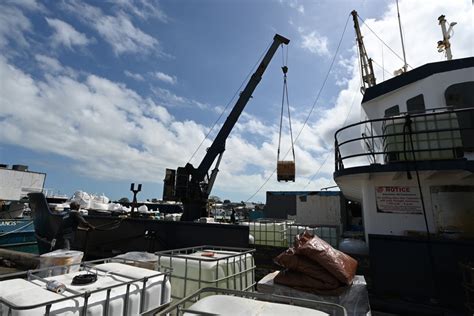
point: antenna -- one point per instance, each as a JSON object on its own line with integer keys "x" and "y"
{"x": 404, "y": 68}
{"x": 445, "y": 45}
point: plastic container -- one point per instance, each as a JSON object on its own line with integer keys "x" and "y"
{"x": 207, "y": 266}
{"x": 268, "y": 232}
{"x": 140, "y": 259}
{"x": 120, "y": 289}
{"x": 436, "y": 135}
{"x": 60, "y": 257}
{"x": 328, "y": 233}
{"x": 213, "y": 301}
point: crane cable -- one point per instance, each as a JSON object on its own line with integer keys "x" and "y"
{"x": 228, "y": 103}
{"x": 283, "y": 99}
{"x": 378, "y": 37}
{"x": 332, "y": 147}
{"x": 312, "y": 108}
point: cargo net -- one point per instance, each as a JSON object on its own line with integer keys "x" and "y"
{"x": 268, "y": 232}
{"x": 106, "y": 287}
{"x": 214, "y": 301}
{"x": 328, "y": 233}
{"x": 200, "y": 267}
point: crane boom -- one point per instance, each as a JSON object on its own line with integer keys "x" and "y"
{"x": 367, "y": 71}
{"x": 193, "y": 185}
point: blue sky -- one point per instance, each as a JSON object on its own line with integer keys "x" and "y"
{"x": 99, "y": 94}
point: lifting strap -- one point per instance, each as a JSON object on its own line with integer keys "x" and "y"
{"x": 284, "y": 98}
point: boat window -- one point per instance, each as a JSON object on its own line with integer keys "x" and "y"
{"x": 392, "y": 111}
{"x": 416, "y": 104}
{"x": 460, "y": 95}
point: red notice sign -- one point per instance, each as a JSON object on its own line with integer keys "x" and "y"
{"x": 398, "y": 199}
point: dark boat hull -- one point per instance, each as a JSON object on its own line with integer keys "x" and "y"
{"x": 114, "y": 236}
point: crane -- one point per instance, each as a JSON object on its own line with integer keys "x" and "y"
{"x": 367, "y": 71}
{"x": 192, "y": 185}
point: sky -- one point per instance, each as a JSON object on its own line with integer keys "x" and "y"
{"x": 100, "y": 94}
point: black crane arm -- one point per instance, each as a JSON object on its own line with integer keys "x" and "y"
{"x": 191, "y": 187}
{"x": 218, "y": 146}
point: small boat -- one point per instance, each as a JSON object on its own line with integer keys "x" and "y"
{"x": 18, "y": 234}
{"x": 16, "y": 228}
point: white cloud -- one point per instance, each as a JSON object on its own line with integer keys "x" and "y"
{"x": 133, "y": 75}
{"x": 144, "y": 9}
{"x": 52, "y": 66}
{"x": 294, "y": 4}
{"x": 13, "y": 25}
{"x": 170, "y": 99}
{"x": 164, "y": 77}
{"x": 31, "y": 5}
{"x": 65, "y": 34}
{"x": 100, "y": 126}
{"x": 314, "y": 42}
{"x": 117, "y": 30}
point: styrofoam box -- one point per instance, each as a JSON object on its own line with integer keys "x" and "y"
{"x": 189, "y": 275}
{"x": 60, "y": 257}
{"x": 232, "y": 305}
{"x": 21, "y": 292}
{"x": 270, "y": 234}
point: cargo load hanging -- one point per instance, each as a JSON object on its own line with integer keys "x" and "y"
{"x": 285, "y": 168}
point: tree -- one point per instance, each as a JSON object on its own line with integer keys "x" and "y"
{"x": 124, "y": 200}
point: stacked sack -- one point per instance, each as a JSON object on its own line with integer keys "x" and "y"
{"x": 312, "y": 265}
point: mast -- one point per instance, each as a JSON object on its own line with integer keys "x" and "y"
{"x": 367, "y": 71}
{"x": 445, "y": 44}
{"x": 405, "y": 66}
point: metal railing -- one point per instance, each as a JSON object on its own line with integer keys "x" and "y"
{"x": 81, "y": 299}
{"x": 268, "y": 231}
{"x": 198, "y": 267}
{"x": 214, "y": 295}
{"x": 435, "y": 134}
{"x": 328, "y": 233}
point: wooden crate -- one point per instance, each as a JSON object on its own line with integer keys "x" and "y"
{"x": 286, "y": 170}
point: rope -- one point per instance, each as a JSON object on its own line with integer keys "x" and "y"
{"x": 383, "y": 69}
{"x": 284, "y": 98}
{"x": 383, "y": 41}
{"x": 312, "y": 108}
{"x": 332, "y": 148}
{"x": 228, "y": 103}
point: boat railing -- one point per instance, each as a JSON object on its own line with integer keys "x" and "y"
{"x": 435, "y": 134}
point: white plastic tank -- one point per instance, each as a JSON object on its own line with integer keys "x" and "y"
{"x": 140, "y": 259}
{"x": 208, "y": 268}
{"x": 232, "y": 305}
{"x": 20, "y": 292}
{"x": 328, "y": 233}
{"x": 268, "y": 233}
